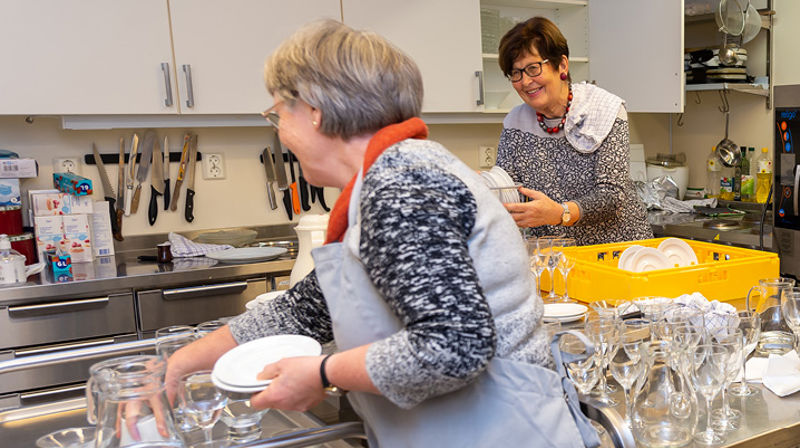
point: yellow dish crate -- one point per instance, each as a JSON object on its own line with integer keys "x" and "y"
{"x": 723, "y": 273}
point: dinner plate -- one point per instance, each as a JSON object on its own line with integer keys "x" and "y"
{"x": 240, "y": 389}
{"x": 648, "y": 259}
{"x": 679, "y": 252}
{"x": 626, "y": 255}
{"x": 247, "y": 254}
{"x": 563, "y": 310}
{"x": 240, "y": 366}
{"x": 564, "y": 319}
{"x": 261, "y": 298}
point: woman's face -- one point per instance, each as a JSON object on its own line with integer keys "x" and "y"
{"x": 544, "y": 92}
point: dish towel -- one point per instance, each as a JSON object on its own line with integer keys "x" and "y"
{"x": 783, "y": 374}
{"x": 184, "y": 247}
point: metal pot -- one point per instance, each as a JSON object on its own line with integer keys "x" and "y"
{"x": 727, "y": 150}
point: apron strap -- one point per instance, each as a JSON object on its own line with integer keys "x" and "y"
{"x": 589, "y": 435}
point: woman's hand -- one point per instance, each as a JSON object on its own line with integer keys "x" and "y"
{"x": 539, "y": 211}
{"x": 296, "y": 384}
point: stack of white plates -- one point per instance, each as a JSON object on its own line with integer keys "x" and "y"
{"x": 237, "y": 370}
{"x": 261, "y": 298}
{"x": 563, "y": 312}
{"x": 671, "y": 253}
{"x": 501, "y": 183}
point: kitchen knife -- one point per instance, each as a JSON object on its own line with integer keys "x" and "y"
{"x": 303, "y": 186}
{"x": 166, "y": 173}
{"x": 280, "y": 176}
{"x": 321, "y": 196}
{"x": 269, "y": 169}
{"x": 188, "y": 212}
{"x": 293, "y": 185}
{"x": 173, "y": 205}
{"x": 144, "y": 165}
{"x": 108, "y": 193}
{"x": 131, "y": 173}
{"x": 120, "y": 185}
{"x": 156, "y": 183}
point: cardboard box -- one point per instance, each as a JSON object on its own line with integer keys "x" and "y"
{"x": 49, "y": 234}
{"x": 53, "y": 202}
{"x": 78, "y": 236}
{"x": 18, "y": 168}
{"x": 102, "y": 238}
{"x": 9, "y": 192}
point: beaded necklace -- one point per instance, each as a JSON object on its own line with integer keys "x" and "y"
{"x": 554, "y": 129}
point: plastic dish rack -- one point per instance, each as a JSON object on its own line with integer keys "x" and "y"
{"x": 723, "y": 273}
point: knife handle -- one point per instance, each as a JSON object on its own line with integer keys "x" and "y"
{"x": 136, "y": 195}
{"x": 119, "y": 224}
{"x": 321, "y": 196}
{"x": 295, "y": 198}
{"x": 112, "y": 214}
{"x": 287, "y": 202}
{"x": 166, "y": 194}
{"x": 273, "y": 203}
{"x": 173, "y": 204}
{"x": 128, "y": 197}
{"x": 152, "y": 209}
{"x": 188, "y": 212}
{"x": 303, "y": 185}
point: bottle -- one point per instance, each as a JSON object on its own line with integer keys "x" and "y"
{"x": 725, "y": 182}
{"x": 12, "y": 263}
{"x": 764, "y": 176}
{"x": 737, "y": 176}
{"x": 747, "y": 184}
{"x": 713, "y": 168}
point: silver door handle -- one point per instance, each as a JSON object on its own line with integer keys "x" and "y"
{"x": 479, "y": 75}
{"x": 61, "y": 347}
{"x": 187, "y": 72}
{"x": 43, "y": 309}
{"x": 205, "y": 290}
{"x": 167, "y": 84}
{"x": 46, "y": 393}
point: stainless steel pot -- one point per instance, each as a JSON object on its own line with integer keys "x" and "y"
{"x": 727, "y": 150}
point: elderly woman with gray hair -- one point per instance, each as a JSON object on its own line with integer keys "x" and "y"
{"x": 424, "y": 283}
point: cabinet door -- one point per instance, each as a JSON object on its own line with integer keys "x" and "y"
{"x": 442, "y": 36}
{"x": 83, "y": 57}
{"x": 636, "y": 52}
{"x": 226, "y": 43}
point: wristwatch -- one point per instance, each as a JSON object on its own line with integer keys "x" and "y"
{"x": 565, "y": 217}
{"x": 329, "y": 388}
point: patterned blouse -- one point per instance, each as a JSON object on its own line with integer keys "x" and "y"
{"x": 598, "y": 181}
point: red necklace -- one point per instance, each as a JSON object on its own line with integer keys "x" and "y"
{"x": 554, "y": 129}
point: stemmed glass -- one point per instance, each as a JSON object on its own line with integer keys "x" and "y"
{"x": 556, "y": 251}
{"x": 539, "y": 253}
{"x": 201, "y": 400}
{"x": 627, "y": 365}
{"x": 605, "y": 334}
{"x": 727, "y": 418}
{"x": 583, "y": 372}
{"x": 565, "y": 264}
{"x": 684, "y": 342}
{"x": 790, "y": 307}
{"x": 708, "y": 375}
{"x": 750, "y": 325}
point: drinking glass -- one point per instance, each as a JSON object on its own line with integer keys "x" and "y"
{"x": 201, "y": 400}
{"x": 790, "y": 306}
{"x": 708, "y": 374}
{"x": 627, "y": 365}
{"x": 685, "y": 340}
{"x": 243, "y": 421}
{"x": 211, "y": 326}
{"x": 750, "y": 325}
{"x": 583, "y": 372}
{"x": 539, "y": 253}
{"x": 726, "y": 418}
{"x": 605, "y": 334}
{"x": 566, "y": 262}
{"x": 170, "y": 339}
{"x": 556, "y": 251}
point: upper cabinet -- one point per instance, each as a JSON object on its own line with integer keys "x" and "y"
{"x": 443, "y": 38}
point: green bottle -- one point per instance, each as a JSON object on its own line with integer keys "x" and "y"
{"x": 747, "y": 183}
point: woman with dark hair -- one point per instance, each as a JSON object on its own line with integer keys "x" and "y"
{"x": 568, "y": 145}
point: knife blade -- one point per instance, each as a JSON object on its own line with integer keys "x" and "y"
{"x": 166, "y": 173}
{"x": 188, "y": 212}
{"x": 156, "y": 183}
{"x": 173, "y": 205}
{"x": 130, "y": 174}
{"x": 280, "y": 176}
{"x": 120, "y": 185}
{"x": 293, "y": 185}
{"x": 144, "y": 165}
{"x": 269, "y": 169}
{"x": 108, "y": 192}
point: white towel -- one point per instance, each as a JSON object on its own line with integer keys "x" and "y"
{"x": 783, "y": 374}
{"x": 184, "y": 247}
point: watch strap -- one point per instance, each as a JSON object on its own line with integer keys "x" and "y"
{"x": 565, "y": 215}
{"x": 329, "y": 388}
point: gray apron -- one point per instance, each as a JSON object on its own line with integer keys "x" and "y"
{"x": 510, "y": 403}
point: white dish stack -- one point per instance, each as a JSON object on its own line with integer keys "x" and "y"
{"x": 501, "y": 183}
{"x": 671, "y": 253}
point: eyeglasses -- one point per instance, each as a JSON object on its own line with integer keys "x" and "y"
{"x": 272, "y": 116}
{"x": 532, "y": 70}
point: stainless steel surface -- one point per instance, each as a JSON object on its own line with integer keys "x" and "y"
{"x": 173, "y": 205}
{"x": 610, "y": 420}
{"x": 130, "y": 175}
{"x": 280, "y": 167}
{"x": 480, "y": 101}
{"x": 121, "y": 175}
{"x": 167, "y": 84}
{"x": 723, "y": 224}
{"x": 157, "y": 178}
{"x": 313, "y": 436}
{"x": 190, "y": 167}
{"x": 187, "y": 72}
{"x": 147, "y": 152}
{"x": 269, "y": 169}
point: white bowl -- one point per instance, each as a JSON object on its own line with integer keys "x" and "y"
{"x": 261, "y": 298}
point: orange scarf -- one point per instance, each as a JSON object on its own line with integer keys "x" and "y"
{"x": 384, "y": 138}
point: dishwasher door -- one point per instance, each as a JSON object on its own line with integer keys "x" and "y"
{"x": 193, "y": 304}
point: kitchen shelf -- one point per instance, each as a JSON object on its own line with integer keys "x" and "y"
{"x": 754, "y": 89}
{"x": 537, "y": 4}
{"x": 495, "y": 56}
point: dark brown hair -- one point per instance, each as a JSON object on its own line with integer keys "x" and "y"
{"x": 539, "y": 33}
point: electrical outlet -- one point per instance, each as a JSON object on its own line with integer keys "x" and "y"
{"x": 487, "y": 155}
{"x": 67, "y": 165}
{"x": 213, "y": 166}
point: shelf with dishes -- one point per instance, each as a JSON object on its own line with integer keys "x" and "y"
{"x": 537, "y": 4}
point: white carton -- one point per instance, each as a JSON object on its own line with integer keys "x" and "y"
{"x": 49, "y": 234}
{"x": 78, "y": 237}
{"x": 102, "y": 237}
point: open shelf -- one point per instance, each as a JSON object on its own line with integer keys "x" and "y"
{"x": 495, "y": 56}
{"x": 754, "y": 89}
{"x": 537, "y": 4}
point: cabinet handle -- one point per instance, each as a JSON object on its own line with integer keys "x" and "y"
{"x": 479, "y": 75}
{"x": 47, "y": 393}
{"x": 62, "y": 347}
{"x": 81, "y": 354}
{"x": 43, "y": 309}
{"x": 187, "y": 71}
{"x": 199, "y": 291}
{"x": 167, "y": 84}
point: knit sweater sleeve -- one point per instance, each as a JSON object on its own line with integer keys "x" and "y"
{"x": 415, "y": 226}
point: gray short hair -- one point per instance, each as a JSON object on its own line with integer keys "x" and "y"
{"x": 359, "y": 81}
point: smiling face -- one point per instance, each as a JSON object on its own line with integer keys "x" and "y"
{"x": 546, "y": 93}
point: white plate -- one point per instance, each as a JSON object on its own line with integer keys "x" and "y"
{"x": 648, "y": 259}
{"x": 563, "y": 319}
{"x": 626, "y": 255}
{"x": 240, "y": 366}
{"x": 246, "y": 254}
{"x": 679, "y": 252}
{"x": 261, "y": 298}
{"x": 563, "y": 310}
{"x": 240, "y": 389}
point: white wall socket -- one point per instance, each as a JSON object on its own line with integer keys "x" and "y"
{"x": 67, "y": 165}
{"x": 487, "y": 155}
{"x": 213, "y": 166}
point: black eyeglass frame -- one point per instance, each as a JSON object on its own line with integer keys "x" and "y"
{"x": 535, "y": 67}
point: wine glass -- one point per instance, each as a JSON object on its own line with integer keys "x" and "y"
{"x": 750, "y": 325}
{"x": 201, "y": 400}
{"x": 605, "y": 334}
{"x": 626, "y": 365}
{"x": 727, "y": 418}
{"x": 565, "y": 264}
{"x": 708, "y": 375}
{"x": 790, "y": 307}
{"x": 552, "y": 263}
{"x": 539, "y": 253}
{"x": 582, "y": 371}
{"x": 684, "y": 341}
